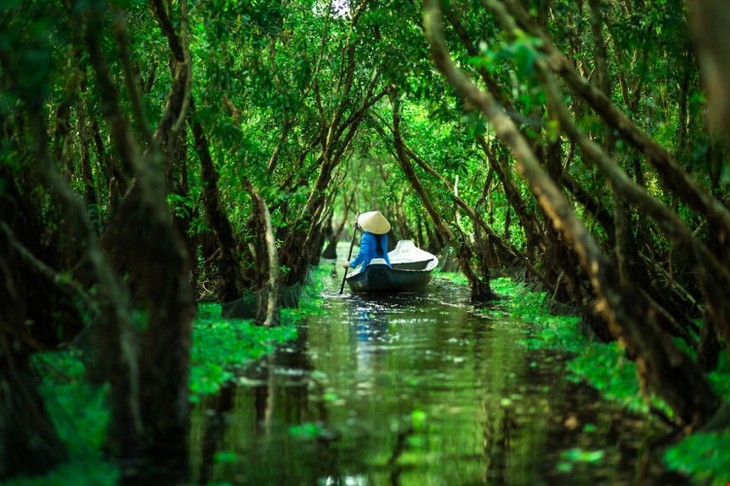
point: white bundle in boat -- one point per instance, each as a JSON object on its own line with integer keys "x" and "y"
{"x": 407, "y": 256}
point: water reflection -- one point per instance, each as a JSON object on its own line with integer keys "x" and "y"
{"x": 369, "y": 328}
{"x": 409, "y": 390}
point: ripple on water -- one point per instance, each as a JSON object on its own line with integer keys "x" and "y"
{"x": 420, "y": 389}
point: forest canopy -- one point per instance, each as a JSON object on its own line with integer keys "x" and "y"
{"x": 155, "y": 155}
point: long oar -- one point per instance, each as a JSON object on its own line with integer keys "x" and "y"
{"x": 349, "y": 255}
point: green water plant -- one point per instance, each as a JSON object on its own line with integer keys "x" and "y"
{"x": 80, "y": 412}
{"x": 220, "y": 345}
{"x": 80, "y": 416}
{"x": 703, "y": 456}
{"x": 572, "y": 457}
{"x": 605, "y": 367}
{"x": 549, "y": 331}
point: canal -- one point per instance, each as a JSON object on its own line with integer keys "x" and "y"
{"x": 416, "y": 390}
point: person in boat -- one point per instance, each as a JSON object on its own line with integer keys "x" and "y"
{"x": 374, "y": 239}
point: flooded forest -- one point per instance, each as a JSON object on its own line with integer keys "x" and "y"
{"x": 180, "y": 183}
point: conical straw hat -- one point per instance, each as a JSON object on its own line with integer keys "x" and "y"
{"x": 374, "y": 222}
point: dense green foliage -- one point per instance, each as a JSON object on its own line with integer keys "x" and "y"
{"x": 703, "y": 456}
{"x": 222, "y": 345}
{"x": 158, "y": 155}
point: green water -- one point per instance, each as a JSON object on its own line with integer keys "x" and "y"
{"x": 416, "y": 390}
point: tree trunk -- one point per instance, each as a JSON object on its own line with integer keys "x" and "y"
{"x": 479, "y": 284}
{"x": 149, "y": 380}
{"x": 673, "y": 375}
{"x": 267, "y": 313}
{"x": 530, "y": 225}
{"x": 28, "y": 441}
{"x": 229, "y": 264}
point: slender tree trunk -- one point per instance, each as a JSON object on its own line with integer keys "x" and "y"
{"x": 303, "y": 244}
{"x": 479, "y": 284}
{"x": 526, "y": 218}
{"x": 267, "y": 313}
{"x": 593, "y": 206}
{"x": 229, "y": 264}
{"x": 507, "y": 252}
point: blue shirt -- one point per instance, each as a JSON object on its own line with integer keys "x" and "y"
{"x": 369, "y": 249}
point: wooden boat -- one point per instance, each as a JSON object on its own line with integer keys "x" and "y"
{"x": 410, "y": 272}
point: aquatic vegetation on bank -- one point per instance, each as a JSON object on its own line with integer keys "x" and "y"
{"x": 454, "y": 277}
{"x": 549, "y": 331}
{"x": 311, "y": 299}
{"x": 79, "y": 413}
{"x": 64, "y": 385}
{"x": 603, "y": 366}
{"x": 220, "y": 345}
{"x": 704, "y": 456}
{"x": 606, "y": 368}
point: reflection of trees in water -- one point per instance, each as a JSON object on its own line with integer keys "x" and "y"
{"x": 278, "y": 398}
{"x": 497, "y": 441}
{"x": 292, "y": 397}
{"x": 214, "y": 431}
{"x": 291, "y": 400}
{"x": 630, "y": 446}
{"x": 365, "y": 384}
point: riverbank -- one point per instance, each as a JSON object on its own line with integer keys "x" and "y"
{"x": 79, "y": 411}
{"x": 604, "y": 367}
